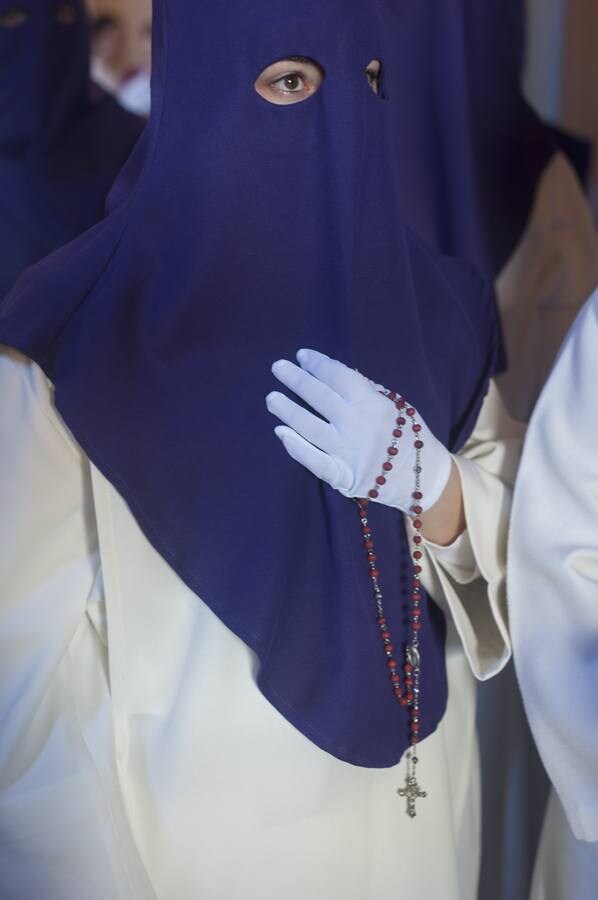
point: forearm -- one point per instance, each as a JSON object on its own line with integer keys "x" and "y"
{"x": 445, "y": 521}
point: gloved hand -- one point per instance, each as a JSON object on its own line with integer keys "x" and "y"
{"x": 348, "y": 450}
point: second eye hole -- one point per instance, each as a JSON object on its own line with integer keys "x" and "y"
{"x": 373, "y": 73}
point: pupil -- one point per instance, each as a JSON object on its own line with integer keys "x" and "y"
{"x": 292, "y": 82}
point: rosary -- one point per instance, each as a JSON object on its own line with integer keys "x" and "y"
{"x": 405, "y": 687}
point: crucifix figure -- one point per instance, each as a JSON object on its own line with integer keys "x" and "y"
{"x": 411, "y": 791}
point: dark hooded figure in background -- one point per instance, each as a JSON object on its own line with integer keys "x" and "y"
{"x": 62, "y": 139}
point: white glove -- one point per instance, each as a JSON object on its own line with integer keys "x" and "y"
{"x": 349, "y": 449}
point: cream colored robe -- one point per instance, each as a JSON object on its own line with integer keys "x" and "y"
{"x": 548, "y": 278}
{"x": 138, "y": 760}
{"x": 553, "y": 599}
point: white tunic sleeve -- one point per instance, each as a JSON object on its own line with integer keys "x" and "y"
{"x": 553, "y": 575}
{"x": 470, "y": 575}
{"x": 63, "y": 834}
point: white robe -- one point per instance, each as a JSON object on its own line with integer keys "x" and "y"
{"x": 540, "y": 291}
{"x": 139, "y": 761}
{"x": 553, "y": 591}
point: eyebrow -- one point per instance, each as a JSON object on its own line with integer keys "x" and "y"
{"x": 302, "y": 59}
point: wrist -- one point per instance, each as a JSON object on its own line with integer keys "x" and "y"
{"x": 436, "y": 470}
{"x": 444, "y": 521}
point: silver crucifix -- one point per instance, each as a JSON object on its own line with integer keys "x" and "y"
{"x": 412, "y": 792}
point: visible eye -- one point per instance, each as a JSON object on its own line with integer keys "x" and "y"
{"x": 13, "y": 17}
{"x": 292, "y": 83}
{"x": 373, "y": 72}
{"x": 290, "y": 80}
{"x": 65, "y": 14}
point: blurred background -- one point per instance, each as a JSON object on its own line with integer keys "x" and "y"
{"x": 121, "y": 49}
{"x": 561, "y": 77}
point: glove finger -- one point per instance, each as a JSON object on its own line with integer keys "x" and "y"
{"x": 318, "y": 463}
{"x": 346, "y": 382}
{"x": 305, "y": 423}
{"x": 319, "y": 396}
